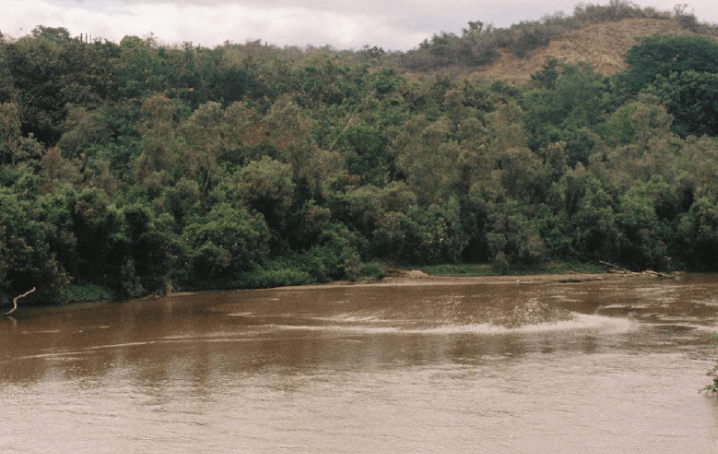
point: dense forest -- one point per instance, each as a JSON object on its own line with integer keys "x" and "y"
{"x": 136, "y": 168}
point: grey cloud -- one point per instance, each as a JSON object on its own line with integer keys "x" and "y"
{"x": 391, "y": 24}
{"x": 410, "y": 16}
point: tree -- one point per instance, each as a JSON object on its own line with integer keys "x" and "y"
{"x": 158, "y": 132}
{"x": 422, "y": 235}
{"x": 664, "y": 55}
{"x": 58, "y": 35}
{"x": 429, "y": 161}
{"x": 26, "y": 259}
{"x": 289, "y": 135}
{"x": 266, "y": 186}
{"x": 10, "y": 134}
{"x": 225, "y": 242}
{"x": 698, "y": 233}
{"x": 596, "y": 236}
{"x": 692, "y": 98}
{"x": 202, "y": 145}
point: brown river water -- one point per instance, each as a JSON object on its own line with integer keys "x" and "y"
{"x": 432, "y": 366}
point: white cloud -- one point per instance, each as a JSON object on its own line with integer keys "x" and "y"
{"x": 208, "y": 26}
{"x": 392, "y": 24}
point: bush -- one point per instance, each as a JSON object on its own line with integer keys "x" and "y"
{"x": 373, "y": 270}
{"x": 334, "y": 256}
{"x": 225, "y": 242}
{"x": 279, "y": 273}
{"x": 423, "y": 235}
{"x": 88, "y": 292}
{"x": 698, "y": 235}
{"x": 26, "y": 260}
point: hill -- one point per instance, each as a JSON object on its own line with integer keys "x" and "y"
{"x": 599, "y": 34}
{"x": 602, "y": 45}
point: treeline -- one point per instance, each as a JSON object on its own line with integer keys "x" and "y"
{"x": 137, "y": 168}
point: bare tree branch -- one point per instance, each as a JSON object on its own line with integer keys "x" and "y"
{"x": 14, "y": 301}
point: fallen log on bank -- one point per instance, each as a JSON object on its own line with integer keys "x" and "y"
{"x": 622, "y": 270}
{"x": 14, "y": 301}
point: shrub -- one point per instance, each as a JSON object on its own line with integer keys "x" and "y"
{"x": 88, "y": 292}
{"x": 224, "y": 242}
{"x": 422, "y": 235}
{"x": 698, "y": 235}
{"x": 373, "y": 270}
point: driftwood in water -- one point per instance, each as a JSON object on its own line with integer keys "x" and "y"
{"x": 14, "y": 301}
{"x": 633, "y": 273}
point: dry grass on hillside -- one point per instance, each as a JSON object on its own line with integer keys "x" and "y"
{"x": 602, "y": 45}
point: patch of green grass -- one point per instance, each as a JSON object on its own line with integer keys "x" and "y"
{"x": 87, "y": 292}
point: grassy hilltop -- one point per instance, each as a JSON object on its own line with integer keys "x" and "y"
{"x": 134, "y": 168}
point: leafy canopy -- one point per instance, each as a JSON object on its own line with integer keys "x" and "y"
{"x": 663, "y": 55}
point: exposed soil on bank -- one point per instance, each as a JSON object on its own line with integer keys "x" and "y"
{"x": 417, "y": 278}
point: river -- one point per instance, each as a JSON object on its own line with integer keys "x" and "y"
{"x": 433, "y": 366}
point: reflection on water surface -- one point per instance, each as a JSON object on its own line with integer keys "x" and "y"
{"x": 469, "y": 367}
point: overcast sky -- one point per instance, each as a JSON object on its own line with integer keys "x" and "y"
{"x": 391, "y": 24}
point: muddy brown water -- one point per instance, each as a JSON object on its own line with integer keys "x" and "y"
{"x": 462, "y": 366}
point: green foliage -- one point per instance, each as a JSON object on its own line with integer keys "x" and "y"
{"x": 665, "y": 55}
{"x": 27, "y": 259}
{"x": 373, "y": 270}
{"x": 58, "y": 35}
{"x": 571, "y": 107}
{"x": 597, "y": 235}
{"x": 266, "y": 186}
{"x": 224, "y": 242}
{"x": 698, "y": 233}
{"x": 278, "y": 273}
{"x": 644, "y": 240}
{"x": 514, "y": 238}
{"x": 692, "y": 98}
{"x": 141, "y": 168}
{"x": 426, "y": 236}
{"x": 83, "y": 293}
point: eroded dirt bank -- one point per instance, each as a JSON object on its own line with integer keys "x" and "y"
{"x": 417, "y": 278}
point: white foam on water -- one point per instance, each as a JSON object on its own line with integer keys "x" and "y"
{"x": 60, "y": 355}
{"x": 350, "y": 318}
{"x": 122, "y": 345}
{"x": 210, "y": 335}
{"x": 576, "y": 322}
{"x": 706, "y": 328}
{"x": 241, "y": 314}
{"x": 55, "y": 355}
{"x": 344, "y": 329}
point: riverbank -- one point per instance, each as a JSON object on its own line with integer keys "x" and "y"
{"x": 387, "y": 274}
{"x": 418, "y": 277}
